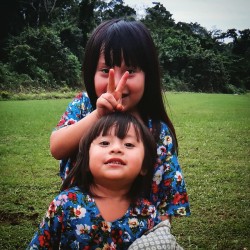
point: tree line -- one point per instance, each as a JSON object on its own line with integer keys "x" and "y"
{"x": 42, "y": 45}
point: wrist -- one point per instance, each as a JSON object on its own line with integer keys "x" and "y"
{"x": 96, "y": 114}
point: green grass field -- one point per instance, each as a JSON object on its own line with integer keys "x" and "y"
{"x": 214, "y": 152}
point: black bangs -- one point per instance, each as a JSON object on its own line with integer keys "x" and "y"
{"x": 121, "y": 123}
{"x": 81, "y": 175}
{"x": 123, "y": 41}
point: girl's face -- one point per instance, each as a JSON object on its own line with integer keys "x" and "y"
{"x": 115, "y": 159}
{"x": 134, "y": 88}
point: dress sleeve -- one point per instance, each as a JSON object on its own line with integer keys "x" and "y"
{"x": 75, "y": 111}
{"x": 168, "y": 187}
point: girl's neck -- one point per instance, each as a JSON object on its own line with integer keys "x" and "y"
{"x": 112, "y": 204}
{"x": 101, "y": 191}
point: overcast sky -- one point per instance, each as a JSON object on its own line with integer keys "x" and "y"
{"x": 211, "y": 14}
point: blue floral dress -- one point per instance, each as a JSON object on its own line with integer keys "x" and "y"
{"x": 168, "y": 193}
{"x": 73, "y": 221}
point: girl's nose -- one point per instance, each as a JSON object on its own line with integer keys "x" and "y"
{"x": 116, "y": 149}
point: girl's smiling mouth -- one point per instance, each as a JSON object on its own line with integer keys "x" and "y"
{"x": 115, "y": 161}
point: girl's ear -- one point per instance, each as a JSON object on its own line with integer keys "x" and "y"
{"x": 143, "y": 172}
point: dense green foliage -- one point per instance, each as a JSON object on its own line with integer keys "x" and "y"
{"x": 42, "y": 44}
{"x": 40, "y": 57}
{"x": 213, "y": 133}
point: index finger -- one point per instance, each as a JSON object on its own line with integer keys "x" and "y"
{"x": 111, "y": 83}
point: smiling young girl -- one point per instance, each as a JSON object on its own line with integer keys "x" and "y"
{"x": 121, "y": 72}
{"x": 103, "y": 201}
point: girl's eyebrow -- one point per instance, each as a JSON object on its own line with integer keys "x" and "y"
{"x": 101, "y": 63}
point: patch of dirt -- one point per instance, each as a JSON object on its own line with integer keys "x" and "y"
{"x": 16, "y": 218}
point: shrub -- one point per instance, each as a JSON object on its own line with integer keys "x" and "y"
{"x": 39, "y": 56}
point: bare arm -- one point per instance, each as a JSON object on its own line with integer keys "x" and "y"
{"x": 65, "y": 141}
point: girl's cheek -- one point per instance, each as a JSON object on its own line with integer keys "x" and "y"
{"x": 100, "y": 87}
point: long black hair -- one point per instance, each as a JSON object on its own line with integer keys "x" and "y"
{"x": 81, "y": 176}
{"x": 130, "y": 40}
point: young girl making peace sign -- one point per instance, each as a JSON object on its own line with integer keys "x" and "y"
{"x": 121, "y": 72}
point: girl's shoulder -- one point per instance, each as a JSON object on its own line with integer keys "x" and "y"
{"x": 72, "y": 196}
{"x": 164, "y": 129}
{"x": 79, "y": 107}
{"x": 81, "y": 97}
{"x": 166, "y": 139}
{"x": 76, "y": 190}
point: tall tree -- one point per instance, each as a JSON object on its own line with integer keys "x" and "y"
{"x": 86, "y": 18}
{"x": 112, "y": 9}
{"x": 11, "y": 22}
{"x": 239, "y": 65}
{"x": 158, "y": 17}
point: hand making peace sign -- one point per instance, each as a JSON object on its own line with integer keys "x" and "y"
{"x": 112, "y": 100}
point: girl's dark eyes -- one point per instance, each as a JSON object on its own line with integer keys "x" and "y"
{"x": 129, "y": 145}
{"x": 106, "y": 71}
{"x": 131, "y": 71}
{"x": 104, "y": 143}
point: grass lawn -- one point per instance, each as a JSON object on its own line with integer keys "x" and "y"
{"x": 214, "y": 152}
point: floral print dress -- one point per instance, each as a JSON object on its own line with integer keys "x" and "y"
{"x": 168, "y": 193}
{"x": 73, "y": 221}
